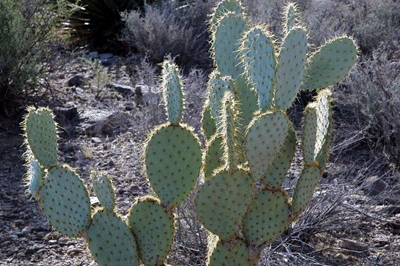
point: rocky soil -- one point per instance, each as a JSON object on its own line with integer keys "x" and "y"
{"x": 102, "y": 128}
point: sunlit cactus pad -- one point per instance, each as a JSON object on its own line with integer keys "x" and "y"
{"x": 266, "y": 218}
{"x": 222, "y": 201}
{"x": 111, "y": 242}
{"x": 153, "y": 230}
{"x": 234, "y": 253}
{"x": 264, "y": 139}
{"x": 65, "y": 201}
{"x": 277, "y": 170}
{"x": 173, "y": 162}
{"x": 41, "y": 135}
{"x": 104, "y": 191}
{"x": 35, "y": 174}
{"x": 330, "y": 64}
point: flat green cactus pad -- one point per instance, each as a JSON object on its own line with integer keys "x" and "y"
{"x": 290, "y": 15}
{"x": 305, "y": 188}
{"x": 291, "y": 62}
{"x": 222, "y": 201}
{"x": 317, "y": 125}
{"x": 266, "y": 218}
{"x": 104, "y": 191}
{"x": 153, "y": 231}
{"x": 218, "y": 86}
{"x": 111, "y": 242}
{"x": 264, "y": 139}
{"x": 223, "y": 7}
{"x": 173, "y": 161}
{"x": 213, "y": 157}
{"x": 276, "y": 173}
{"x": 259, "y": 61}
{"x": 209, "y": 126}
{"x": 41, "y": 133}
{"x": 65, "y": 201}
{"x": 247, "y": 99}
{"x": 330, "y": 64}
{"x": 233, "y": 253}
{"x": 173, "y": 96}
{"x": 35, "y": 175}
{"x": 226, "y": 44}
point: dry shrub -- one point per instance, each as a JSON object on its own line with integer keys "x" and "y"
{"x": 169, "y": 29}
{"x": 369, "y": 21}
{"x": 372, "y": 93}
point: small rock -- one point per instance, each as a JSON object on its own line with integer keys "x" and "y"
{"x": 96, "y": 140}
{"x": 353, "y": 245}
{"x": 93, "y": 55}
{"x": 72, "y": 251}
{"x": 107, "y": 59}
{"x": 77, "y": 80}
{"x": 101, "y": 121}
{"x": 32, "y": 249}
{"x": 66, "y": 114}
{"x": 26, "y": 230}
{"x": 374, "y": 186}
{"x": 124, "y": 90}
{"x": 129, "y": 106}
{"x": 62, "y": 241}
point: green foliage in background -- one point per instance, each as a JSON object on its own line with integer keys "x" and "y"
{"x": 26, "y": 30}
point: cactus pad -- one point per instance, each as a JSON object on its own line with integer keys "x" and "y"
{"x": 65, "y": 201}
{"x": 305, "y": 188}
{"x": 259, "y": 61}
{"x": 330, "y": 64}
{"x": 266, "y": 218}
{"x": 226, "y": 44}
{"x": 153, "y": 230}
{"x": 104, "y": 191}
{"x": 222, "y": 201}
{"x": 276, "y": 173}
{"x": 213, "y": 157}
{"x": 173, "y": 96}
{"x": 111, "y": 242}
{"x": 233, "y": 253}
{"x": 290, "y": 15}
{"x": 35, "y": 174}
{"x": 223, "y": 7}
{"x": 41, "y": 134}
{"x": 291, "y": 61}
{"x": 173, "y": 162}
{"x": 218, "y": 86}
{"x": 264, "y": 139}
{"x": 209, "y": 126}
{"x": 317, "y": 126}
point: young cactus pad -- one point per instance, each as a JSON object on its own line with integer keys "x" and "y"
{"x": 41, "y": 135}
{"x": 173, "y": 161}
{"x": 65, "y": 201}
{"x": 153, "y": 230}
{"x": 111, "y": 242}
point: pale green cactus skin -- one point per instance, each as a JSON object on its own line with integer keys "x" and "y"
{"x": 250, "y": 145}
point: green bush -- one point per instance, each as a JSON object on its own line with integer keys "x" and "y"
{"x": 26, "y": 29}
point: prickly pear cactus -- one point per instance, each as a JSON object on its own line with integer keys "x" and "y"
{"x": 258, "y": 139}
{"x": 250, "y": 145}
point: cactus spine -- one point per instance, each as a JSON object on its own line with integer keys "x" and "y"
{"x": 250, "y": 144}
